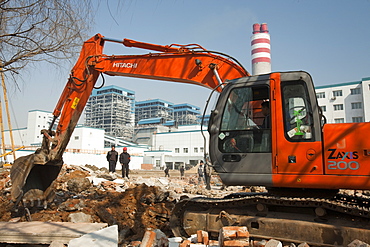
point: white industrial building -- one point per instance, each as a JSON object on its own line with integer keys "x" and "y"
{"x": 183, "y": 146}
{"x": 345, "y": 102}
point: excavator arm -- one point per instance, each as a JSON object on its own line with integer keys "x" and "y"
{"x": 33, "y": 176}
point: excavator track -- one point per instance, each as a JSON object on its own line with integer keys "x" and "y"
{"x": 332, "y": 221}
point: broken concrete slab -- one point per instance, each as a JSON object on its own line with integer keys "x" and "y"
{"x": 95, "y": 180}
{"x": 37, "y": 232}
{"x": 107, "y": 237}
{"x": 80, "y": 217}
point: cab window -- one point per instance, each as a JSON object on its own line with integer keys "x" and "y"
{"x": 245, "y": 126}
{"x": 297, "y": 112}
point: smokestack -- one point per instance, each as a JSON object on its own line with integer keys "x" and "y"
{"x": 260, "y": 42}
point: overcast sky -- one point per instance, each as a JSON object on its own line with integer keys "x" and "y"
{"x": 330, "y": 39}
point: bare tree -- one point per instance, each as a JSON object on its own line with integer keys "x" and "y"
{"x": 41, "y": 30}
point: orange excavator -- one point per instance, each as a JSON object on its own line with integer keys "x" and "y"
{"x": 301, "y": 160}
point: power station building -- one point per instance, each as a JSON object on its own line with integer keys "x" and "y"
{"x": 153, "y": 109}
{"x": 112, "y": 108}
{"x": 186, "y": 114}
{"x": 158, "y": 111}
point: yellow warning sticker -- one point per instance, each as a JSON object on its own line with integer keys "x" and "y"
{"x": 75, "y": 103}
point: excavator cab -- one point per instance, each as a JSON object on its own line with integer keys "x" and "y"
{"x": 285, "y": 148}
{"x": 255, "y": 144}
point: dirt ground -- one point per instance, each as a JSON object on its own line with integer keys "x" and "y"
{"x": 143, "y": 202}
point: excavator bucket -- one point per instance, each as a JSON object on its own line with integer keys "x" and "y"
{"x": 33, "y": 182}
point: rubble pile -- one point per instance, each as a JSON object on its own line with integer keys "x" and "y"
{"x": 89, "y": 194}
{"x": 140, "y": 206}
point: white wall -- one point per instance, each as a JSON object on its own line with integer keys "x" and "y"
{"x": 182, "y": 140}
{"x": 87, "y": 138}
{"x": 165, "y": 144}
{"x": 37, "y": 120}
{"x": 98, "y": 160}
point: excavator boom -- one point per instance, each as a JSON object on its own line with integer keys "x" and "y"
{"x": 33, "y": 176}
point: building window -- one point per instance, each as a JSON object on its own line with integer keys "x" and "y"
{"x": 77, "y": 138}
{"x": 195, "y": 150}
{"x": 186, "y": 150}
{"x": 357, "y": 119}
{"x": 356, "y": 105}
{"x": 201, "y": 149}
{"x": 320, "y": 95}
{"x": 338, "y": 107}
{"x": 339, "y": 120}
{"x": 337, "y": 93}
{"x": 177, "y": 150}
{"x": 323, "y": 108}
{"x": 355, "y": 91}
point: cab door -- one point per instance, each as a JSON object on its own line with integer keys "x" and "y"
{"x": 240, "y": 133}
{"x": 297, "y": 149}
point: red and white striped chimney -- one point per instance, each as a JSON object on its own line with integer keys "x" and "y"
{"x": 261, "y": 56}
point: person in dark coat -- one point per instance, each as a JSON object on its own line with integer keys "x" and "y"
{"x": 112, "y": 158}
{"x": 207, "y": 176}
{"x": 182, "y": 172}
{"x": 124, "y": 159}
{"x": 201, "y": 172}
{"x": 166, "y": 172}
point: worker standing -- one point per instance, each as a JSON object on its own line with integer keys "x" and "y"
{"x": 112, "y": 158}
{"x": 207, "y": 176}
{"x": 182, "y": 172}
{"x": 200, "y": 172}
{"x": 124, "y": 159}
{"x": 166, "y": 172}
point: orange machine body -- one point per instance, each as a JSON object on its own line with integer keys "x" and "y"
{"x": 340, "y": 160}
{"x": 297, "y": 151}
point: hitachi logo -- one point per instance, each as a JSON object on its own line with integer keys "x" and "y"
{"x": 125, "y": 65}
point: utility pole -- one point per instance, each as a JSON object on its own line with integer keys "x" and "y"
{"x": 7, "y": 107}
{"x": 2, "y": 131}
